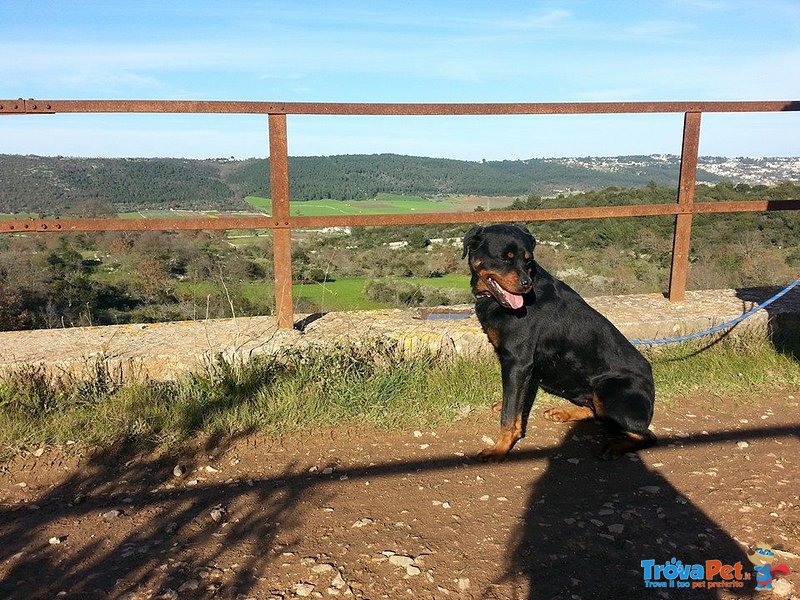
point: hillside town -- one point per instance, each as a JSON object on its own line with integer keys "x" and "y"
{"x": 751, "y": 170}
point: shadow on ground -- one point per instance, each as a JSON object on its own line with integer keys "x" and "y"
{"x": 555, "y": 551}
{"x": 588, "y": 525}
{"x": 784, "y": 324}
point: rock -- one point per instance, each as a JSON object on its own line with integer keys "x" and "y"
{"x": 327, "y": 470}
{"x": 218, "y": 514}
{"x": 413, "y": 571}
{"x": 484, "y": 498}
{"x": 303, "y": 589}
{"x": 782, "y": 588}
{"x": 307, "y": 561}
{"x": 39, "y": 452}
{"x": 742, "y": 444}
{"x": 616, "y": 528}
{"x": 362, "y": 522}
{"x": 322, "y": 568}
{"x": 399, "y": 560}
{"x": 179, "y": 470}
{"x": 57, "y": 539}
{"x": 487, "y": 440}
{"x": 111, "y": 515}
{"x": 189, "y": 586}
{"x": 338, "y": 582}
{"x": 171, "y": 527}
{"x": 169, "y": 594}
{"x": 463, "y": 584}
{"x": 417, "y": 434}
{"x": 210, "y": 469}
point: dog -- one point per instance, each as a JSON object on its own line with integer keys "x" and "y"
{"x": 546, "y": 336}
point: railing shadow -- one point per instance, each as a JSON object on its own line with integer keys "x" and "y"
{"x": 783, "y": 327}
{"x": 548, "y": 551}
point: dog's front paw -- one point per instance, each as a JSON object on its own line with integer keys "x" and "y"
{"x": 492, "y": 454}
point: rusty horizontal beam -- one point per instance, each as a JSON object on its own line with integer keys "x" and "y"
{"x": 32, "y": 106}
{"x": 745, "y": 206}
{"x": 54, "y": 225}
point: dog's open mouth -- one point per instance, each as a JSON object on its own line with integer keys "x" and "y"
{"x": 505, "y": 298}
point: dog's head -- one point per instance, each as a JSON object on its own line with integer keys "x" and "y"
{"x": 501, "y": 262}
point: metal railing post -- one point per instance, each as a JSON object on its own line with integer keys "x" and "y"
{"x": 281, "y": 234}
{"x": 683, "y": 221}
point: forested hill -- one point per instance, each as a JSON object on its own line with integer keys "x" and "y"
{"x": 84, "y": 186}
{"x": 358, "y": 176}
{"x": 62, "y": 185}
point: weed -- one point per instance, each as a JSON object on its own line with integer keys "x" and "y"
{"x": 374, "y": 383}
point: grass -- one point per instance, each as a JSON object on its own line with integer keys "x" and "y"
{"x": 341, "y": 294}
{"x": 382, "y": 204}
{"x": 374, "y": 383}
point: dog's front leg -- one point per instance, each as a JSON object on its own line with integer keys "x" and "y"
{"x": 519, "y": 391}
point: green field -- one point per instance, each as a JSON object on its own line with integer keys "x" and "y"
{"x": 383, "y": 204}
{"x": 342, "y": 294}
{"x": 168, "y": 214}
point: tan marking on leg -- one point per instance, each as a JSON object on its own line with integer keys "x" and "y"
{"x": 494, "y": 337}
{"x": 628, "y": 441}
{"x": 508, "y": 437}
{"x": 569, "y": 413}
{"x": 598, "y": 405}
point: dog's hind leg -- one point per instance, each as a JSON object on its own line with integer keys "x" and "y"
{"x": 563, "y": 414}
{"x": 626, "y": 405}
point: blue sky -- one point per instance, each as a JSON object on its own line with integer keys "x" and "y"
{"x": 374, "y": 51}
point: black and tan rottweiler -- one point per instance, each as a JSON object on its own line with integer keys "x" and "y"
{"x": 545, "y": 335}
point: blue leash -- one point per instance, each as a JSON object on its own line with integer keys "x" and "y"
{"x": 722, "y": 326}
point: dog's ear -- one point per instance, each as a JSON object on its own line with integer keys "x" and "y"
{"x": 472, "y": 239}
{"x": 526, "y": 231}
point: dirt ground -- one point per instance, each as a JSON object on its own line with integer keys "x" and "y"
{"x": 370, "y": 514}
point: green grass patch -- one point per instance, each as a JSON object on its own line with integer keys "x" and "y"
{"x": 382, "y": 204}
{"x": 373, "y": 383}
{"x": 338, "y": 295}
{"x": 736, "y": 366}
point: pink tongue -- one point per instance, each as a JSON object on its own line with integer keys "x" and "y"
{"x": 515, "y": 300}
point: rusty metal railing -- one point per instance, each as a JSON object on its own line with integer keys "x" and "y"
{"x": 281, "y": 222}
